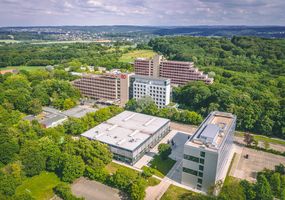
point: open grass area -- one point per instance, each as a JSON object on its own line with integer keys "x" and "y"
{"x": 162, "y": 166}
{"x": 28, "y": 68}
{"x": 132, "y": 55}
{"x": 113, "y": 167}
{"x": 178, "y": 193}
{"x": 263, "y": 138}
{"x": 40, "y": 187}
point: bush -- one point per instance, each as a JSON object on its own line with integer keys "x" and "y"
{"x": 63, "y": 191}
{"x": 164, "y": 150}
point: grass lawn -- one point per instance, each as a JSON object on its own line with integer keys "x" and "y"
{"x": 151, "y": 181}
{"x": 155, "y": 172}
{"x": 28, "y": 68}
{"x": 130, "y": 56}
{"x": 113, "y": 167}
{"x": 40, "y": 186}
{"x": 263, "y": 138}
{"x": 178, "y": 193}
{"x": 162, "y": 166}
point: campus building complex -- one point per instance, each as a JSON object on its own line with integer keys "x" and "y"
{"x": 109, "y": 87}
{"x": 179, "y": 72}
{"x": 129, "y": 134}
{"x": 208, "y": 153}
{"x": 157, "y": 88}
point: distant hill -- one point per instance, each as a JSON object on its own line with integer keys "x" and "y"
{"x": 211, "y": 31}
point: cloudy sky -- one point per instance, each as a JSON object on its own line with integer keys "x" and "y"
{"x": 141, "y": 12}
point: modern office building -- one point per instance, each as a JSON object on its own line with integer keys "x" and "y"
{"x": 179, "y": 72}
{"x": 110, "y": 87}
{"x": 157, "y": 88}
{"x": 130, "y": 135}
{"x": 208, "y": 153}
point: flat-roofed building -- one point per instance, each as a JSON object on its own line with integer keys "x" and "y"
{"x": 208, "y": 153}
{"x": 111, "y": 87}
{"x": 179, "y": 72}
{"x": 157, "y": 88}
{"x": 130, "y": 135}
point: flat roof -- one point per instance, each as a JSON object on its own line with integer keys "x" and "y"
{"x": 211, "y": 133}
{"x": 151, "y": 78}
{"x": 128, "y": 130}
{"x": 78, "y": 111}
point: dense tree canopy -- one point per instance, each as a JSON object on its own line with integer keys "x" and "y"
{"x": 249, "y": 79}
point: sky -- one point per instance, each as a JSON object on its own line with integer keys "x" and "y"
{"x": 141, "y": 12}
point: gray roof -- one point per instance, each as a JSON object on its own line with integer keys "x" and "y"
{"x": 128, "y": 130}
{"x": 210, "y": 132}
{"x": 78, "y": 111}
{"x": 51, "y": 119}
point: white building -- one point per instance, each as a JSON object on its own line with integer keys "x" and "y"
{"x": 130, "y": 135}
{"x": 208, "y": 153}
{"x": 157, "y": 88}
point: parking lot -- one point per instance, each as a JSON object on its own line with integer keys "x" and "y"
{"x": 247, "y": 168}
{"x": 92, "y": 190}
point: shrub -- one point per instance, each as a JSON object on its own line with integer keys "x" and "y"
{"x": 164, "y": 150}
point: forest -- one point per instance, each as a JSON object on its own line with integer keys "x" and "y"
{"x": 61, "y": 54}
{"x": 249, "y": 79}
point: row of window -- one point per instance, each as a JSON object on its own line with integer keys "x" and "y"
{"x": 193, "y": 172}
{"x": 194, "y": 159}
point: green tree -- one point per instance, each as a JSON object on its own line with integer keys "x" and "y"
{"x": 248, "y": 190}
{"x": 275, "y": 183}
{"x": 68, "y": 103}
{"x": 137, "y": 190}
{"x": 33, "y": 158}
{"x": 9, "y": 146}
{"x": 72, "y": 167}
{"x": 164, "y": 150}
{"x": 262, "y": 188}
{"x": 35, "y": 107}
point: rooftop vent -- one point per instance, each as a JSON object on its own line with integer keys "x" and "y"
{"x": 129, "y": 117}
{"x": 134, "y": 133}
{"x": 149, "y": 121}
{"x": 121, "y": 142}
{"x": 112, "y": 127}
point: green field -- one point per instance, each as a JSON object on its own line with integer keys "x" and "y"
{"x": 177, "y": 193}
{"x": 130, "y": 56}
{"x": 28, "y": 68}
{"x": 40, "y": 187}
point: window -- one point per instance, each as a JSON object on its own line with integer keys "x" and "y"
{"x": 190, "y": 171}
{"x": 200, "y": 174}
{"x": 202, "y": 160}
{"x": 199, "y": 186}
{"x": 200, "y": 181}
{"x": 202, "y": 154}
{"x": 201, "y": 168}
{"x": 192, "y": 158}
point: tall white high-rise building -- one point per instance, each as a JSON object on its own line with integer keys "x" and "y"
{"x": 157, "y": 88}
{"x": 208, "y": 153}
